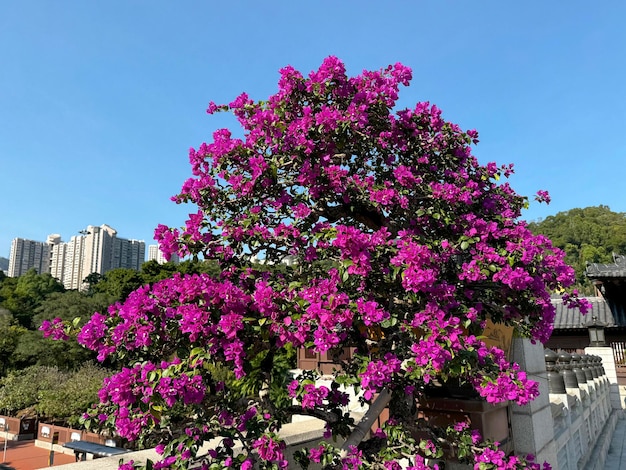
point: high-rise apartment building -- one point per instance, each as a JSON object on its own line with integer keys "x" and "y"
{"x": 58, "y": 258}
{"x": 56, "y": 248}
{"x": 99, "y": 250}
{"x": 155, "y": 254}
{"x": 27, "y": 254}
{"x": 73, "y": 263}
{"x": 133, "y": 253}
{"x": 95, "y": 250}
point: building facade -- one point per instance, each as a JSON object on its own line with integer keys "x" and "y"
{"x": 130, "y": 253}
{"x": 97, "y": 249}
{"x": 72, "y": 277}
{"x": 27, "y": 254}
{"x": 98, "y": 252}
{"x": 58, "y": 256}
{"x": 155, "y": 254}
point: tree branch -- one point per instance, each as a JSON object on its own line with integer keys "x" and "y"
{"x": 366, "y": 423}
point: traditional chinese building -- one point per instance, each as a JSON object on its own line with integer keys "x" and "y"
{"x": 608, "y": 311}
{"x": 570, "y": 325}
{"x": 610, "y": 281}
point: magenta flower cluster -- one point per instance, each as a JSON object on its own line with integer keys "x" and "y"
{"x": 337, "y": 223}
{"x": 55, "y": 329}
{"x": 194, "y": 308}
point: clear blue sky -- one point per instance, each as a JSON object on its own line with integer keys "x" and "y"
{"x": 100, "y": 101}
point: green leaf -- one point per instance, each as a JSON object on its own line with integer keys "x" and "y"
{"x": 196, "y": 351}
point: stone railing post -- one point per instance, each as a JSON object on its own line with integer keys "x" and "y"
{"x": 584, "y": 365}
{"x": 575, "y": 443}
{"x": 605, "y": 386}
{"x": 585, "y": 398}
{"x": 581, "y": 378}
{"x": 532, "y": 426}
{"x": 595, "y": 421}
{"x": 569, "y": 376}
{"x": 608, "y": 364}
{"x": 556, "y": 382}
{"x": 602, "y": 373}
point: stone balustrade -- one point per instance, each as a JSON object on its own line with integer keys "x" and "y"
{"x": 571, "y": 423}
{"x": 580, "y": 403}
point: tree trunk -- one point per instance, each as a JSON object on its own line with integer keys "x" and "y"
{"x": 361, "y": 429}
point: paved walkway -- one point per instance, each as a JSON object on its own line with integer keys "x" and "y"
{"x": 616, "y": 458}
{"x": 23, "y": 455}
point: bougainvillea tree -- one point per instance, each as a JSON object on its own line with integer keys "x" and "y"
{"x": 337, "y": 221}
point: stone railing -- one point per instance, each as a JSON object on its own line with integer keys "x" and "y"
{"x": 580, "y": 403}
{"x": 571, "y": 423}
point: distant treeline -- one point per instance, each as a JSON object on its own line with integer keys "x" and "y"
{"x": 589, "y": 235}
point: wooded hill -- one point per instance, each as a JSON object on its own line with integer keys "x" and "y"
{"x": 589, "y": 235}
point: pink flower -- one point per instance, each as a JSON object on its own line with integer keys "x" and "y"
{"x": 313, "y": 396}
{"x": 54, "y": 329}
{"x": 270, "y": 450}
{"x": 460, "y": 426}
{"x": 371, "y": 312}
{"x": 316, "y": 453}
{"x": 543, "y": 196}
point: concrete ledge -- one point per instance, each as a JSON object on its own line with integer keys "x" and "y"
{"x": 17, "y": 437}
{"x": 296, "y": 435}
{"x": 109, "y": 463}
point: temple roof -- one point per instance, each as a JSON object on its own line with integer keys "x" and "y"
{"x": 571, "y": 318}
{"x": 613, "y": 270}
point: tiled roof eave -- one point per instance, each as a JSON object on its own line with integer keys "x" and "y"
{"x": 573, "y": 319}
{"x": 606, "y": 274}
{"x": 600, "y": 270}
